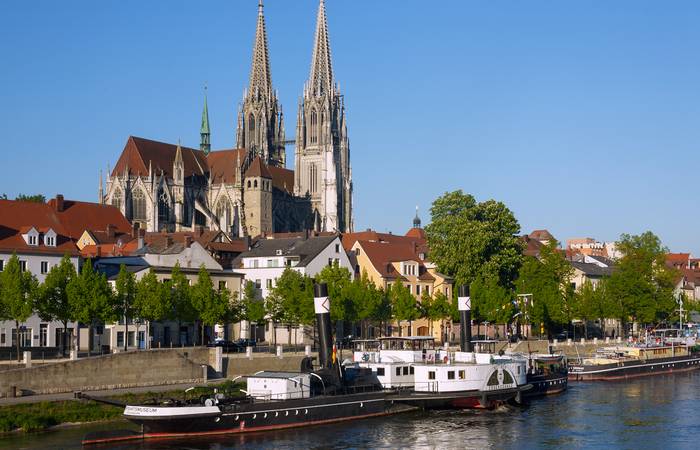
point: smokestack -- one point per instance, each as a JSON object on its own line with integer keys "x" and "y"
{"x": 322, "y": 307}
{"x": 59, "y": 203}
{"x": 464, "y": 304}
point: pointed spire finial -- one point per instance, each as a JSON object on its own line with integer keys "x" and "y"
{"x": 321, "y": 78}
{"x": 204, "y": 132}
{"x": 260, "y": 77}
{"x": 416, "y": 220}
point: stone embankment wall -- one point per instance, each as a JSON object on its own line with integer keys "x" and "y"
{"x": 120, "y": 370}
{"x": 240, "y": 365}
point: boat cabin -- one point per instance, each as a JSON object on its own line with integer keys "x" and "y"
{"x": 279, "y": 385}
{"x": 408, "y": 349}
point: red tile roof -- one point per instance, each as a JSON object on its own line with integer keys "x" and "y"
{"x": 282, "y": 179}
{"x": 349, "y": 239}
{"x": 140, "y": 153}
{"x": 383, "y": 254}
{"x": 223, "y": 165}
{"x": 77, "y": 217}
{"x": 541, "y": 235}
{"x": 258, "y": 169}
{"x": 416, "y": 233}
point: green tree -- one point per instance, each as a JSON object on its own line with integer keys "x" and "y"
{"x": 468, "y": 240}
{"x": 17, "y": 295}
{"x": 252, "y": 308}
{"x": 124, "y": 300}
{"x": 152, "y": 301}
{"x": 90, "y": 298}
{"x": 53, "y": 302}
{"x": 291, "y": 300}
{"x": 212, "y": 307}
{"x": 492, "y": 301}
{"x": 36, "y": 198}
{"x": 181, "y": 299}
{"x": 342, "y": 293}
{"x": 642, "y": 284}
{"x": 403, "y": 304}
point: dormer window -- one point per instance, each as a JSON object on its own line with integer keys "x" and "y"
{"x": 50, "y": 238}
{"x": 33, "y": 239}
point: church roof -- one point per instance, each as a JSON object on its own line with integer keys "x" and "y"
{"x": 258, "y": 169}
{"x": 140, "y": 153}
{"x": 223, "y": 165}
{"x": 282, "y": 179}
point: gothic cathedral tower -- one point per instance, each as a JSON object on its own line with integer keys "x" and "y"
{"x": 322, "y": 169}
{"x": 260, "y": 122}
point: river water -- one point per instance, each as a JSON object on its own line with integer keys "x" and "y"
{"x": 648, "y": 413}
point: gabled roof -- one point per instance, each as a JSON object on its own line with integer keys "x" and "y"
{"x": 258, "y": 169}
{"x": 541, "y": 235}
{"x": 305, "y": 249}
{"x": 77, "y": 217}
{"x": 224, "y": 165}
{"x": 349, "y": 239}
{"x": 592, "y": 270}
{"x": 416, "y": 233}
{"x": 140, "y": 153}
{"x": 282, "y": 179}
{"x": 382, "y": 254}
{"x": 16, "y": 216}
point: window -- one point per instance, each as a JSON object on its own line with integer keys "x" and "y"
{"x": 463, "y": 375}
{"x": 248, "y": 183}
{"x": 23, "y": 266}
{"x": 398, "y": 371}
{"x": 138, "y": 205}
{"x": 380, "y": 370}
{"x": 330, "y": 261}
{"x": 314, "y": 127}
{"x": 450, "y": 374}
{"x": 427, "y": 290}
{"x": 222, "y": 285}
{"x": 412, "y": 371}
{"x": 43, "y": 334}
{"x": 357, "y": 251}
{"x": 120, "y": 339}
{"x": 3, "y": 339}
{"x": 255, "y": 263}
{"x": 258, "y": 285}
{"x": 163, "y": 206}
{"x": 131, "y": 338}
{"x": 268, "y": 284}
{"x": 44, "y": 267}
{"x": 32, "y": 239}
{"x": 255, "y": 183}
{"x": 271, "y": 263}
{"x": 431, "y": 374}
{"x": 251, "y": 125}
{"x": 50, "y": 241}
{"x": 117, "y": 199}
{"x": 2, "y": 265}
{"x": 337, "y": 248}
{"x": 418, "y": 289}
{"x": 405, "y": 370}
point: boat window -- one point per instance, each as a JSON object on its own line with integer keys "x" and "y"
{"x": 431, "y": 375}
{"x": 405, "y": 370}
{"x": 411, "y": 370}
{"x": 450, "y": 374}
{"x": 462, "y": 374}
{"x": 380, "y": 371}
{"x": 398, "y": 371}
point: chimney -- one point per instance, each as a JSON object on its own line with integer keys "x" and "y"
{"x": 111, "y": 230}
{"x": 141, "y": 236}
{"x": 188, "y": 240}
{"x": 323, "y": 322}
{"x": 59, "y": 203}
{"x": 135, "y": 230}
{"x": 464, "y": 305}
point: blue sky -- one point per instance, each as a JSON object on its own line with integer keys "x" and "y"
{"x": 581, "y": 116}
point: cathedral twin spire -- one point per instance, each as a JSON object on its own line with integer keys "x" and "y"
{"x": 260, "y": 76}
{"x": 321, "y": 77}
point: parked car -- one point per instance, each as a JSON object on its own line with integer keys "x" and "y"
{"x": 243, "y": 343}
{"x": 227, "y": 346}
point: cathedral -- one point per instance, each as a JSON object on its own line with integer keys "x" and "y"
{"x": 248, "y": 190}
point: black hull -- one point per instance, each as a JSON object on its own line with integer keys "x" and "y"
{"x": 546, "y": 385}
{"x": 634, "y": 368}
{"x": 263, "y": 416}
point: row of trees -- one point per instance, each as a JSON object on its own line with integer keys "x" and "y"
{"x": 357, "y": 301}
{"x": 478, "y": 244}
{"x": 87, "y": 298}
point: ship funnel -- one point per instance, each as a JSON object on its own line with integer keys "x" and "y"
{"x": 464, "y": 304}
{"x": 322, "y": 307}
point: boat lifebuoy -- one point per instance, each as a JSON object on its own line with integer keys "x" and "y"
{"x": 365, "y": 357}
{"x": 445, "y": 359}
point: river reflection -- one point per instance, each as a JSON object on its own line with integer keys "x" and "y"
{"x": 651, "y": 413}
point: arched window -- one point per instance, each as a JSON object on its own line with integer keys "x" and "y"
{"x": 255, "y": 183}
{"x": 314, "y": 127}
{"x": 313, "y": 174}
{"x": 251, "y": 124}
{"x": 248, "y": 183}
{"x": 223, "y": 213}
{"x": 163, "y": 206}
{"x": 138, "y": 205}
{"x": 117, "y": 199}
